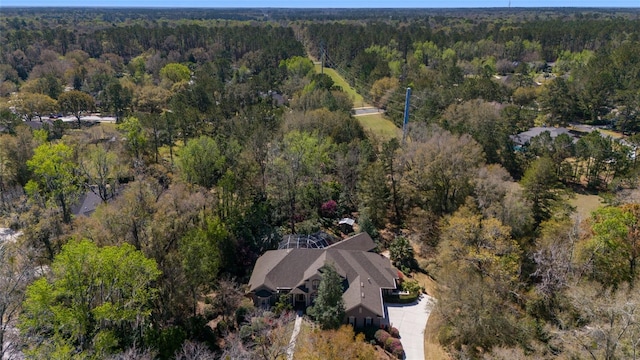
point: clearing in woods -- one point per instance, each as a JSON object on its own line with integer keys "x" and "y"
{"x": 358, "y": 100}
{"x": 375, "y": 124}
{"x": 379, "y": 126}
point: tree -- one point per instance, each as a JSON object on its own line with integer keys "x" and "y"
{"x": 540, "y": 184}
{"x": 151, "y": 99}
{"x": 297, "y": 66}
{"x": 174, "y": 73}
{"x": 134, "y": 133}
{"x": 328, "y": 308}
{"x": 612, "y": 251}
{"x": 262, "y": 336}
{"x": 595, "y": 150}
{"x": 202, "y": 162}
{"x": 55, "y": 177}
{"x": 338, "y": 344}
{"x": 438, "y": 169}
{"x": 118, "y": 99}
{"x": 382, "y": 89}
{"x": 101, "y": 169}
{"x": 558, "y": 101}
{"x": 18, "y": 150}
{"x": 76, "y": 102}
{"x": 29, "y": 105}
{"x": 228, "y": 296}
{"x": 8, "y": 119}
{"x": 554, "y": 258}
{"x": 483, "y": 122}
{"x": 15, "y": 274}
{"x": 482, "y": 246}
{"x": 495, "y": 196}
{"x": 374, "y": 195}
{"x": 605, "y": 324}
{"x": 480, "y": 265}
{"x": 96, "y": 301}
{"x": 200, "y": 252}
{"x": 390, "y": 159}
{"x": 299, "y": 159}
{"x": 476, "y": 317}
{"x": 401, "y": 253}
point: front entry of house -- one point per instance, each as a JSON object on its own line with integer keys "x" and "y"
{"x": 299, "y": 301}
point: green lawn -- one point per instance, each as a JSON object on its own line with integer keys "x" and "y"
{"x": 378, "y": 126}
{"x": 358, "y": 101}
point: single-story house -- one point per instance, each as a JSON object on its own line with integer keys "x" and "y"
{"x": 367, "y": 277}
{"x": 525, "y": 137}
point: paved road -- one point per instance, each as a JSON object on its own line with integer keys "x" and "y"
{"x": 367, "y": 110}
{"x": 410, "y": 320}
{"x": 108, "y": 119}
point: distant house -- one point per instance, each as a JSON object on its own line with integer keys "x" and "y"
{"x": 525, "y": 137}
{"x": 367, "y": 276}
{"x": 87, "y": 203}
{"x": 37, "y": 125}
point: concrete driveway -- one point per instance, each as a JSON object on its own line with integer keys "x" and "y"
{"x": 410, "y": 320}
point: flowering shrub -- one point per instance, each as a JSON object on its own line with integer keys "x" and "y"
{"x": 396, "y": 349}
{"x": 329, "y": 208}
{"x": 394, "y": 332}
{"x": 394, "y": 346}
{"x": 381, "y": 337}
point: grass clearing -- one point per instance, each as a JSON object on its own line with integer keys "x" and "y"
{"x": 358, "y": 100}
{"x": 585, "y": 204}
{"x": 377, "y": 125}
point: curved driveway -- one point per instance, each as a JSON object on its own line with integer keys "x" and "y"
{"x": 410, "y": 320}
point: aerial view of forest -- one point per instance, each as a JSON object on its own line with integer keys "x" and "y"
{"x": 156, "y": 166}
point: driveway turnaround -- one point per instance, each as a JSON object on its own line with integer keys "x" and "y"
{"x": 410, "y": 320}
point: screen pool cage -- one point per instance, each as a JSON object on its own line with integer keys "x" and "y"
{"x": 319, "y": 240}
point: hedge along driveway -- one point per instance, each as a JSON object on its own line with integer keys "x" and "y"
{"x": 410, "y": 320}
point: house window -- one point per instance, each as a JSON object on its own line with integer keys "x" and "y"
{"x": 352, "y": 321}
{"x": 299, "y": 297}
{"x": 367, "y": 321}
{"x": 315, "y": 284}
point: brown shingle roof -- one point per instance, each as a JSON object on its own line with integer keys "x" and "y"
{"x": 366, "y": 273}
{"x": 361, "y": 241}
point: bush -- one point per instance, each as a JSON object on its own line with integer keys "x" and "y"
{"x": 388, "y": 344}
{"x": 394, "y": 346}
{"x": 401, "y": 299}
{"x": 412, "y": 286}
{"x": 394, "y": 332}
{"x": 241, "y": 314}
{"x": 397, "y": 349}
{"x": 381, "y": 337}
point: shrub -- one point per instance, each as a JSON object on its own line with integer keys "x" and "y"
{"x": 329, "y": 208}
{"x": 381, "y": 337}
{"x": 394, "y": 346}
{"x": 412, "y": 286}
{"x": 240, "y": 315}
{"x": 388, "y": 344}
{"x": 394, "y": 332}
{"x": 396, "y": 349}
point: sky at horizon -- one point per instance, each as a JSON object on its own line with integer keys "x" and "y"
{"x": 323, "y": 4}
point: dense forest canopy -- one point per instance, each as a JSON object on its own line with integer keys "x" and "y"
{"x": 219, "y": 131}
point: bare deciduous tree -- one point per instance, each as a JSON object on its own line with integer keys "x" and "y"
{"x": 15, "y": 274}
